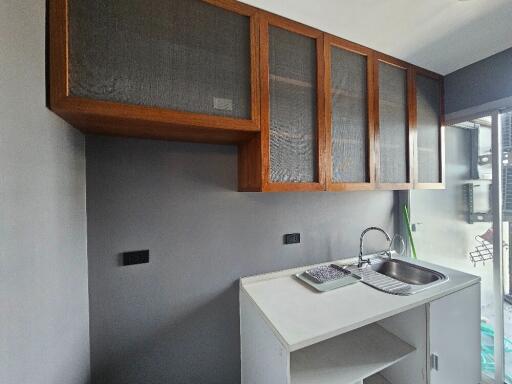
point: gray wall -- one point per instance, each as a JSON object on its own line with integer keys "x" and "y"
{"x": 485, "y": 81}
{"x": 44, "y": 325}
{"x": 175, "y": 320}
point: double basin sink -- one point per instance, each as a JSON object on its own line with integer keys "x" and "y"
{"x": 399, "y": 277}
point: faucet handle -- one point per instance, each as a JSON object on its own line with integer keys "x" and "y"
{"x": 362, "y": 262}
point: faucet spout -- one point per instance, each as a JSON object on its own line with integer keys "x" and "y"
{"x": 362, "y": 261}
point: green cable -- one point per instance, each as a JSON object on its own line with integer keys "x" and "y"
{"x": 409, "y": 231}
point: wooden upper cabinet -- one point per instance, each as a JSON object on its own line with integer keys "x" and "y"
{"x": 175, "y": 69}
{"x": 309, "y": 111}
{"x": 393, "y": 124}
{"x": 429, "y": 130}
{"x": 349, "y": 104}
{"x": 291, "y": 147}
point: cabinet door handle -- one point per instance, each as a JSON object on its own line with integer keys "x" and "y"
{"x": 434, "y": 362}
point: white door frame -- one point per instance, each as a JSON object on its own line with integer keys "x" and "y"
{"x": 497, "y": 225}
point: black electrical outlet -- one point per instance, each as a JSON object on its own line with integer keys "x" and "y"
{"x": 291, "y": 238}
{"x": 136, "y": 257}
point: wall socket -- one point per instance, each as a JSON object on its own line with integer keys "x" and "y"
{"x": 223, "y": 104}
{"x": 291, "y": 238}
{"x": 136, "y": 257}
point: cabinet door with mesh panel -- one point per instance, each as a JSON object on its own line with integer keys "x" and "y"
{"x": 429, "y": 131}
{"x": 349, "y": 131}
{"x": 184, "y": 55}
{"x": 393, "y": 141}
{"x": 291, "y": 105}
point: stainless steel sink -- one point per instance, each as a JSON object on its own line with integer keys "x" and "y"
{"x": 399, "y": 277}
{"x": 407, "y": 273}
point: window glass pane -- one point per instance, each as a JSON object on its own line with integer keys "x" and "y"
{"x": 506, "y": 129}
{"x": 428, "y": 113}
{"x": 293, "y": 112}
{"x": 393, "y": 135}
{"x": 185, "y": 55}
{"x": 349, "y": 121}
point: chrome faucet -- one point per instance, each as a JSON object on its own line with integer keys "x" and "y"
{"x": 362, "y": 261}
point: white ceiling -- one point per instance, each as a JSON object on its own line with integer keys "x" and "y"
{"x": 440, "y": 35}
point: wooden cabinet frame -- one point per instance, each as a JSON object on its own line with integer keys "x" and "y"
{"x": 442, "y": 156}
{"x": 410, "y": 119}
{"x": 266, "y": 20}
{"x": 252, "y": 135}
{"x": 329, "y": 42}
{"x": 112, "y": 118}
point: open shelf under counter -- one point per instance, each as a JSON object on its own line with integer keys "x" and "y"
{"x": 348, "y": 358}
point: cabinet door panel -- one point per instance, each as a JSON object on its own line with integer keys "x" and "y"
{"x": 349, "y": 117}
{"x": 454, "y": 330}
{"x": 393, "y": 125}
{"x": 428, "y": 129}
{"x": 293, "y": 107}
{"x": 184, "y": 55}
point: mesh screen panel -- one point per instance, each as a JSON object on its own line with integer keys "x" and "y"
{"x": 506, "y": 127}
{"x": 349, "y": 116}
{"x": 179, "y": 54}
{"x": 293, "y": 112}
{"x": 393, "y": 124}
{"x": 507, "y": 189}
{"x": 428, "y": 113}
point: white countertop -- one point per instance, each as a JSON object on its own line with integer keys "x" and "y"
{"x": 300, "y": 316}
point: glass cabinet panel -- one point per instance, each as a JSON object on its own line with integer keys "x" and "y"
{"x": 349, "y": 117}
{"x": 428, "y": 129}
{"x": 183, "y": 55}
{"x": 293, "y": 107}
{"x": 393, "y": 124}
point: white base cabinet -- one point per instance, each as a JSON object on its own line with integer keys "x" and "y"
{"x": 437, "y": 342}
